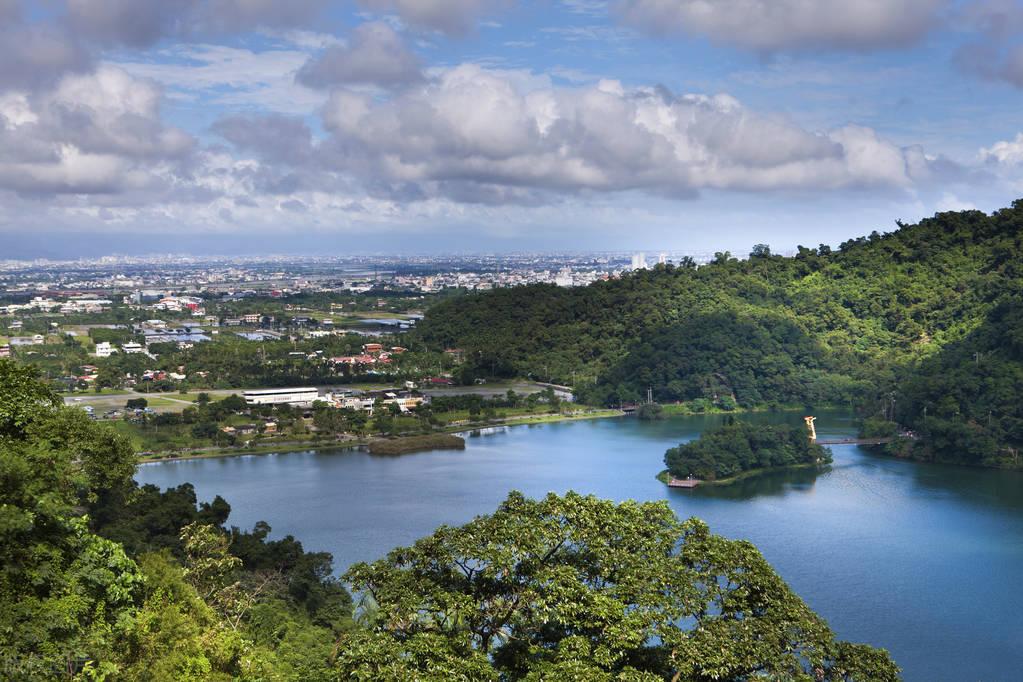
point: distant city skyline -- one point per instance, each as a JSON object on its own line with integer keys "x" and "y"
{"x": 214, "y": 126}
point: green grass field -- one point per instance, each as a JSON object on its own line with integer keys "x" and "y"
{"x": 102, "y": 391}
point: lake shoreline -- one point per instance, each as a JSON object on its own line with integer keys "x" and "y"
{"x": 286, "y": 447}
{"x": 525, "y": 420}
{"x": 665, "y": 476}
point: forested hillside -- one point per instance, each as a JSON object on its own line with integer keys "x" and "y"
{"x": 852, "y": 325}
{"x": 966, "y": 400}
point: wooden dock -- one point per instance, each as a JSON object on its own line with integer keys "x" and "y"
{"x": 683, "y": 482}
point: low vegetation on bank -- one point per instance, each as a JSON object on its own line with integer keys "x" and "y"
{"x": 737, "y": 448}
{"x": 410, "y": 444}
{"x": 204, "y": 426}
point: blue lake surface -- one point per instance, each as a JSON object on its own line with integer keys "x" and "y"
{"x": 920, "y": 559}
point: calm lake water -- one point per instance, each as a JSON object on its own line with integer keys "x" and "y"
{"x": 923, "y": 560}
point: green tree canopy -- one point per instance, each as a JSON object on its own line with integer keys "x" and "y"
{"x": 575, "y": 587}
{"x": 22, "y": 395}
{"x": 736, "y": 447}
{"x": 64, "y": 592}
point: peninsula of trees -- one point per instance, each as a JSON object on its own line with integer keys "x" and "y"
{"x": 737, "y": 448}
{"x": 919, "y": 327}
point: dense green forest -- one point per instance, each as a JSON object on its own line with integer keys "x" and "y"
{"x": 737, "y": 447}
{"x": 965, "y": 401}
{"x": 879, "y": 321}
{"x": 104, "y": 580}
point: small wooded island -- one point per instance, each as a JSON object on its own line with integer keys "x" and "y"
{"x": 737, "y": 449}
{"x": 410, "y": 444}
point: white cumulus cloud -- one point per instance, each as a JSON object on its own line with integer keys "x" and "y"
{"x": 472, "y": 135}
{"x": 1008, "y": 152}
{"x": 91, "y": 133}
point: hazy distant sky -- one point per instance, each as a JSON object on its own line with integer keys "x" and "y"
{"x": 307, "y": 126}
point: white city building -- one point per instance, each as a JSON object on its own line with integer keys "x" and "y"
{"x": 280, "y": 396}
{"x": 104, "y": 349}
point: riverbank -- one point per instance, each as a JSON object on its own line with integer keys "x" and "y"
{"x": 452, "y": 427}
{"x": 665, "y": 475}
{"x": 285, "y": 447}
{"x": 267, "y": 449}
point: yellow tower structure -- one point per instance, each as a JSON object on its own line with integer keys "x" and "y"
{"x": 809, "y": 427}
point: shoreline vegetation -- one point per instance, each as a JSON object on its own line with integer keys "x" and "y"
{"x": 665, "y": 475}
{"x": 458, "y": 427}
{"x": 739, "y": 450}
{"x": 281, "y": 448}
{"x": 406, "y": 445}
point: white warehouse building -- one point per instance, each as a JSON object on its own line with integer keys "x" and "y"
{"x": 279, "y": 396}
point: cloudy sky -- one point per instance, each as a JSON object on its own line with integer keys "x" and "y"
{"x": 306, "y": 126}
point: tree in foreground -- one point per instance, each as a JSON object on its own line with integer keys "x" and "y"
{"x": 577, "y": 588}
{"x": 189, "y": 600}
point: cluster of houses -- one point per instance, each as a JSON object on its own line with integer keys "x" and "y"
{"x": 89, "y": 374}
{"x": 372, "y": 354}
{"x": 105, "y": 349}
{"x": 247, "y": 319}
{"x": 34, "y": 340}
{"x": 162, "y": 375}
{"x": 179, "y": 304}
{"x": 183, "y": 336}
{"x": 406, "y": 400}
{"x": 268, "y": 428}
{"x": 72, "y": 306}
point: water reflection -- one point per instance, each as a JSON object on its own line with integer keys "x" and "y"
{"x": 773, "y": 483}
{"x": 986, "y": 488}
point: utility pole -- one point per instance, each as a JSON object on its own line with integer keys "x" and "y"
{"x": 649, "y": 396}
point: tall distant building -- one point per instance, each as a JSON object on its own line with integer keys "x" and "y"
{"x": 662, "y": 258}
{"x": 639, "y": 261}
